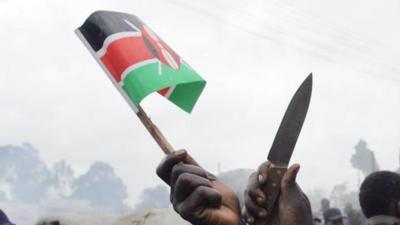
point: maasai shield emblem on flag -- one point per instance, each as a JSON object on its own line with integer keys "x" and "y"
{"x": 138, "y": 61}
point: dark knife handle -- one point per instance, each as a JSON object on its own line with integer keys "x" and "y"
{"x": 272, "y": 190}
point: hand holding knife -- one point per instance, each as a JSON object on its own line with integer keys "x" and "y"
{"x": 283, "y": 146}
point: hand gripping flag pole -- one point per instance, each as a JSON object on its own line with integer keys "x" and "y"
{"x": 139, "y": 63}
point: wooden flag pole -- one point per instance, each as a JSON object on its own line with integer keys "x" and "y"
{"x": 165, "y": 146}
{"x": 155, "y": 132}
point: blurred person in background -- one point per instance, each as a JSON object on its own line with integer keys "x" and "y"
{"x": 333, "y": 216}
{"x": 325, "y": 205}
{"x": 380, "y": 198}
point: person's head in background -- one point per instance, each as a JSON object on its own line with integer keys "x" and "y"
{"x": 325, "y": 204}
{"x": 49, "y": 222}
{"x": 333, "y": 216}
{"x": 380, "y": 195}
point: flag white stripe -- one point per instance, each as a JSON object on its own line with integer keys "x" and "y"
{"x": 170, "y": 90}
{"x": 171, "y": 61}
{"x": 110, "y": 39}
{"x": 119, "y": 88}
{"x": 135, "y": 66}
{"x": 133, "y": 26}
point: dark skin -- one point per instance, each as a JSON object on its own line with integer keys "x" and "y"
{"x": 196, "y": 195}
{"x": 202, "y": 199}
{"x": 293, "y": 206}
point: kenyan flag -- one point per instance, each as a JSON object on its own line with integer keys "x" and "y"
{"x": 138, "y": 61}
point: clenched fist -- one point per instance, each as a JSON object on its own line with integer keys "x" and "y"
{"x": 198, "y": 196}
{"x": 292, "y": 206}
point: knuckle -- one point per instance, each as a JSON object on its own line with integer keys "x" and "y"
{"x": 264, "y": 167}
{"x": 252, "y": 193}
{"x": 186, "y": 213}
{"x": 184, "y": 179}
{"x": 176, "y": 170}
{"x": 201, "y": 190}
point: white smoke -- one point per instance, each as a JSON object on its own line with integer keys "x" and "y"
{"x": 30, "y": 190}
{"x": 157, "y": 197}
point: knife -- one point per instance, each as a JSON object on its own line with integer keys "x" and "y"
{"x": 285, "y": 141}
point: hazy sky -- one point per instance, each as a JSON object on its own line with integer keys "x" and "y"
{"x": 253, "y": 54}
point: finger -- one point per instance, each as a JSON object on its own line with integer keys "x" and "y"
{"x": 181, "y": 168}
{"x": 253, "y": 209}
{"x": 254, "y": 191}
{"x": 263, "y": 172}
{"x": 185, "y": 185}
{"x": 195, "y": 206}
{"x": 289, "y": 179}
{"x": 165, "y": 167}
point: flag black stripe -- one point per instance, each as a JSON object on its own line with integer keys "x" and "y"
{"x": 102, "y": 24}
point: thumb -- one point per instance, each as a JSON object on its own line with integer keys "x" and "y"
{"x": 289, "y": 179}
{"x": 187, "y": 157}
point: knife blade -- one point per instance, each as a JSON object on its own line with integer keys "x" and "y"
{"x": 285, "y": 141}
{"x": 290, "y": 127}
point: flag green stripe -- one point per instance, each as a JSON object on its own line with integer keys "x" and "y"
{"x": 186, "y": 95}
{"x": 145, "y": 80}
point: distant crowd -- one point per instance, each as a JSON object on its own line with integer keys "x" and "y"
{"x": 331, "y": 215}
{"x": 379, "y": 198}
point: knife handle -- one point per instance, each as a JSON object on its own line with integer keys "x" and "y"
{"x": 272, "y": 187}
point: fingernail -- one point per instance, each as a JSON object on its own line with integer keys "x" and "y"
{"x": 179, "y": 152}
{"x": 262, "y": 214}
{"x": 260, "y": 178}
{"x": 250, "y": 220}
{"x": 260, "y": 200}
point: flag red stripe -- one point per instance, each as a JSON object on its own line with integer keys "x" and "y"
{"x": 123, "y": 53}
